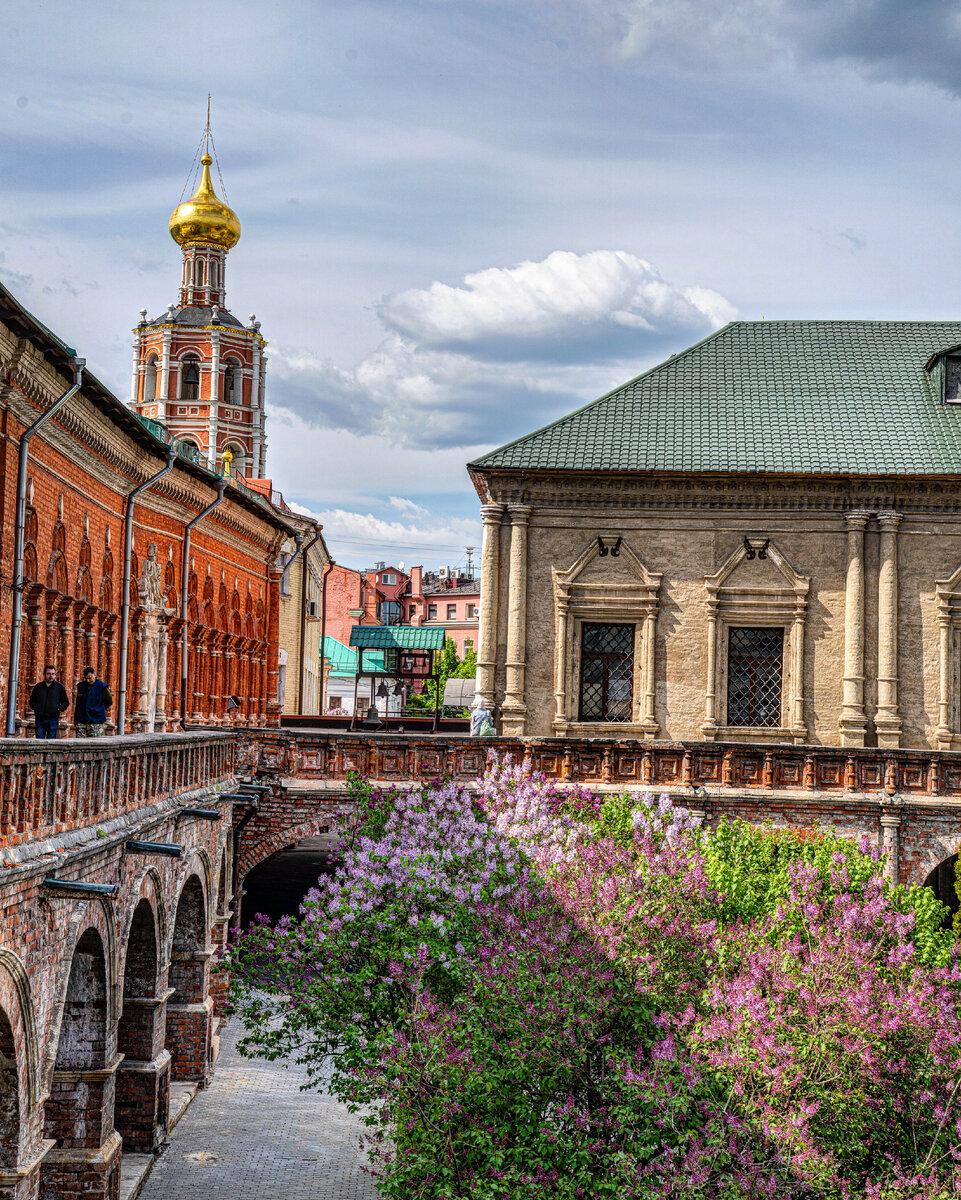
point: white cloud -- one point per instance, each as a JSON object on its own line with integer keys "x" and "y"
{"x": 355, "y": 537}
{"x": 508, "y": 351}
{"x": 408, "y": 506}
{"x": 536, "y": 308}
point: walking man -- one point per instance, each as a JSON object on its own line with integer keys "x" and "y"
{"x": 93, "y": 700}
{"x": 48, "y": 700}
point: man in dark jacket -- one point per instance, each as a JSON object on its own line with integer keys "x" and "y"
{"x": 48, "y": 700}
{"x": 93, "y": 700}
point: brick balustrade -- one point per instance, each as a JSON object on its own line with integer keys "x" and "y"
{"x": 49, "y": 787}
{"x": 669, "y": 766}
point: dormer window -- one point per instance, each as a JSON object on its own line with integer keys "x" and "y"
{"x": 952, "y": 378}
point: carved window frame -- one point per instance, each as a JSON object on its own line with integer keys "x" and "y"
{"x": 618, "y": 602}
{"x": 948, "y": 600}
{"x": 732, "y": 605}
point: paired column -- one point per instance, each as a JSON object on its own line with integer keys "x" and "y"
{"x": 853, "y": 721}
{"x": 514, "y": 710}
{"x": 888, "y": 719}
{"x": 491, "y": 515}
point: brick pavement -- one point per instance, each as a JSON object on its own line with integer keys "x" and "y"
{"x": 253, "y": 1135}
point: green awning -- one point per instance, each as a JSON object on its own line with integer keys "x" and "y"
{"x": 397, "y": 637}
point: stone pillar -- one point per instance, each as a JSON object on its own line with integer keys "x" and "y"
{"x": 143, "y": 1081}
{"x": 514, "y": 709}
{"x": 79, "y": 1115}
{"x": 647, "y": 707}
{"x": 160, "y": 704}
{"x": 890, "y": 844}
{"x": 709, "y": 729}
{"x": 560, "y": 662}
{"x": 853, "y": 722}
{"x": 888, "y": 720}
{"x": 491, "y": 515}
{"x": 190, "y": 1016}
{"x": 947, "y": 701}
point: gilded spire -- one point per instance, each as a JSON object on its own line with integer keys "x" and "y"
{"x": 205, "y": 218}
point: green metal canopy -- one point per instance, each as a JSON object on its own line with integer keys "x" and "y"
{"x": 343, "y": 660}
{"x": 794, "y": 397}
{"x": 398, "y": 637}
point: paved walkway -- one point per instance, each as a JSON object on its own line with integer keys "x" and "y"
{"x": 253, "y": 1135}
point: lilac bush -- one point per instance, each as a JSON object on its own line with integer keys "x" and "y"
{"x": 537, "y": 990}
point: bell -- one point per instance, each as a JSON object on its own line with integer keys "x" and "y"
{"x": 381, "y": 690}
{"x": 398, "y": 688}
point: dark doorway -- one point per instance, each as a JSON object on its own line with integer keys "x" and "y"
{"x": 941, "y": 881}
{"x": 278, "y": 885}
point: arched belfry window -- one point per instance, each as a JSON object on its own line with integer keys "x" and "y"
{"x": 198, "y": 271}
{"x": 150, "y": 379}
{"x": 232, "y": 382}
{"x": 190, "y": 380}
{"x": 214, "y": 281}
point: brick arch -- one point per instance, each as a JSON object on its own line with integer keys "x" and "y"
{"x": 87, "y": 915}
{"x": 30, "y": 566}
{"x": 16, "y": 1000}
{"x": 255, "y": 853}
{"x": 147, "y": 886}
{"x": 57, "y": 580}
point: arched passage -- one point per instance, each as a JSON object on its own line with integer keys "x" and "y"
{"x": 278, "y": 885}
{"x": 9, "y": 1097}
{"x": 79, "y": 1113}
{"x": 190, "y": 1007}
{"x": 942, "y": 882}
{"x": 143, "y": 1082}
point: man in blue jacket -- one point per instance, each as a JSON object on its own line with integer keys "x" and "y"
{"x": 93, "y": 700}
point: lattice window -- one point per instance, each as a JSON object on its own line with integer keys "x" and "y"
{"x": 754, "y": 675}
{"x": 607, "y": 672}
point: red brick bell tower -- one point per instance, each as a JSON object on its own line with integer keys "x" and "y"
{"x": 196, "y": 368}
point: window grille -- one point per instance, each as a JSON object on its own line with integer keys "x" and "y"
{"x": 607, "y": 672}
{"x": 754, "y": 673}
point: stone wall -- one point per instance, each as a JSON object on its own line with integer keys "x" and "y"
{"x": 863, "y": 576}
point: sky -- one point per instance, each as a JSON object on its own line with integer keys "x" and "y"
{"x": 462, "y": 220}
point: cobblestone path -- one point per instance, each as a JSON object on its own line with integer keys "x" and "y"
{"x": 253, "y": 1135}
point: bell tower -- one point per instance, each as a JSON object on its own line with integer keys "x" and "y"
{"x": 197, "y": 368}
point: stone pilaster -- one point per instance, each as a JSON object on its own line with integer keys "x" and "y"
{"x": 514, "y": 710}
{"x": 888, "y": 719}
{"x": 491, "y": 515}
{"x": 852, "y": 722}
{"x": 891, "y": 844}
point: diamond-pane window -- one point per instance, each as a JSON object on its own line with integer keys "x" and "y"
{"x": 607, "y": 672}
{"x": 754, "y": 670}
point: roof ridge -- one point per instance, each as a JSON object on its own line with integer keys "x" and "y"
{"x": 560, "y": 421}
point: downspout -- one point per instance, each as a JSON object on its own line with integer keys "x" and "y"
{"x": 301, "y": 682}
{"x": 184, "y": 579}
{"x": 323, "y": 637}
{"x": 125, "y": 606}
{"x": 16, "y": 629}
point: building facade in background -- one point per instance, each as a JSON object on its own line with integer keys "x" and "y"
{"x": 757, "y": 541}
{"x": 306, "y": 560}
{"x": 445, "y": 598}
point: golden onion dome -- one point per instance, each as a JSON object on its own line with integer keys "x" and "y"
{"x": 205, "y": 217}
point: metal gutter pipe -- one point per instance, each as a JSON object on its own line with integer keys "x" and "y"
{"x": 125, "y": 607}
{"x": 13, "y": 678}
{"x": 323, "y": 636}
{"x": 301, "y": 682}
{"x": 184, "y": 579}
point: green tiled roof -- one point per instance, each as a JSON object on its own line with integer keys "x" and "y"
{"x": 343, "y": 660}
{"x": 798, "y": 397}
{"x": 398, "y": 637}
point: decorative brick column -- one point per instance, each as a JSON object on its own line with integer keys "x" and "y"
{"x": 514, "y": 709}
{"x": 891, "y": 843}
{"x": 852, "y": 722}
{"x": 888, "y": 719}
{"x": 190, "y": 1016}
{"x": 491, "y": 515}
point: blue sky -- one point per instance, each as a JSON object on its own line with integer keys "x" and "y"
{"x": 461, "y": 220}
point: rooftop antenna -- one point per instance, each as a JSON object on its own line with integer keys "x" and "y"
{"x": 470, "y": 562}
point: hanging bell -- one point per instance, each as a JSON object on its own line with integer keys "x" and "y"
{"x": 381, "y": 690}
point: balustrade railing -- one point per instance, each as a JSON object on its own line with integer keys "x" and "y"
{"x": 686, "y": 768}
{"x": 47, "y": 787}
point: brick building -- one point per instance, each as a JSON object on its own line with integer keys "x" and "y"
{"x": 445, "y": 598}
{"x": 83, "y": 467}
{"x": 306, "y": 562}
